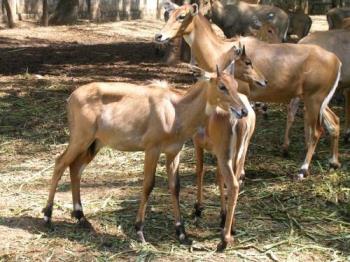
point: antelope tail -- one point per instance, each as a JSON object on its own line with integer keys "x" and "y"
{"x": 330, "y": 95}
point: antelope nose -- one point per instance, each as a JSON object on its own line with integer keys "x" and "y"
{"x": 244, "y": 112}
{"x": 158, "y": 37}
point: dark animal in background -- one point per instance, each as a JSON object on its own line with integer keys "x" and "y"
{"x": 299, "y": 24}
{"x": 236, "y": 19}
{"x": 336, "y": 16}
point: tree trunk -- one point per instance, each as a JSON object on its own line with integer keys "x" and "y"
{"x": 45, "y": 18}
{"x": 66, "y": 12}
{"x": 10, "y": 14}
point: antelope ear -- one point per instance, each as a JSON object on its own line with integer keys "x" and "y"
{"x": 169, "y": 6}
{"x": 201, "y": 74}
{"x": 230, "y": 69}
{"x": 194, "y": 9}
{"x": 237, "y": 51}
{"x": 217, "y": 71}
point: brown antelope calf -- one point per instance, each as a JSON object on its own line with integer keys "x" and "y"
{"x": 228, "y": 138}
{"x": 307, "y": 72}
{"x": 130, "y": 117}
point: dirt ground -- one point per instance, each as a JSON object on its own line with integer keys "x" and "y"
{"x": 277, "y": 219}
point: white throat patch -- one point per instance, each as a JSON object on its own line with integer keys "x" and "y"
{"x": 189, "y": 39}
{"x": 209, "y": 109}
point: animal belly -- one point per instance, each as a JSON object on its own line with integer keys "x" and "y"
{"x": 121, "y": 141}
{"x": 272, "y": 95}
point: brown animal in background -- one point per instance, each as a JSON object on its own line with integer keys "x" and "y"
{"x": 235, "y": 19}
{"x": 338, "y": 42}
{"x": 335, "y": 17}
{"x": 130, "y": 117}
{"x": 299, "y": 24}
{"x": 307, "y": 72}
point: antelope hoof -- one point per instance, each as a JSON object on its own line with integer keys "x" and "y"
{"x": 285, "y": 152}
{"x": 182, "y": 236}
{"x": 221, "y": 247}
{"x": 139, "y": 232}
{"x": 47, "y": 215}
{"x": 347, "y": 137}
{"x": 303, "y": 173}
{"x": 198, "y": 209}
{"x": 141, "y": 237}
{"x": 334, "y": 165}
{"x": 224, "y": 243}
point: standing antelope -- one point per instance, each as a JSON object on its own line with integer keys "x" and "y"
{"x": 130, "y": 117}
{"x": 338, "y": 42}
{"x": 307, "y": 72}
{"x": 228, "y": 138}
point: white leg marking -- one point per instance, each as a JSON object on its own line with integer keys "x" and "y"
{"x": 305, "y": 166}
{"x": 77, "y": 207}
{"x": 46, "y": 218}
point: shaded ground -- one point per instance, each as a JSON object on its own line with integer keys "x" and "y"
{"x": 277, "y": 219}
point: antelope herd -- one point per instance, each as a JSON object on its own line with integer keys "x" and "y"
{"x": 216, "y": 111}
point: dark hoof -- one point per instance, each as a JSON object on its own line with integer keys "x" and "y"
{"x": 301, "y": 175}
{"x": 346, "y": 138}
{"x": 198, "y": 209}
{"x": 141, "y": 237}
{"x": 334, "y": 166}
{"x": 285, "y": 153}
{"x": 221, "y": 246}
{"x": 185, "y": 241}
{"x": 181, "y": 235}
{"x": 47, "y": 216}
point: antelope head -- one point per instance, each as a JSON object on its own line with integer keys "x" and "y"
{"x": 244, "y": 69}
{"x": 179, "y": 22}
{"x": 222, "y": 92}
{"x": 264, "y": 31}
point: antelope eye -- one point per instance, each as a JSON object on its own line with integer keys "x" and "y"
{"x": 248, "y": 62}
{"x": 181, "y": 17}
{"x": 222, "y": 87}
